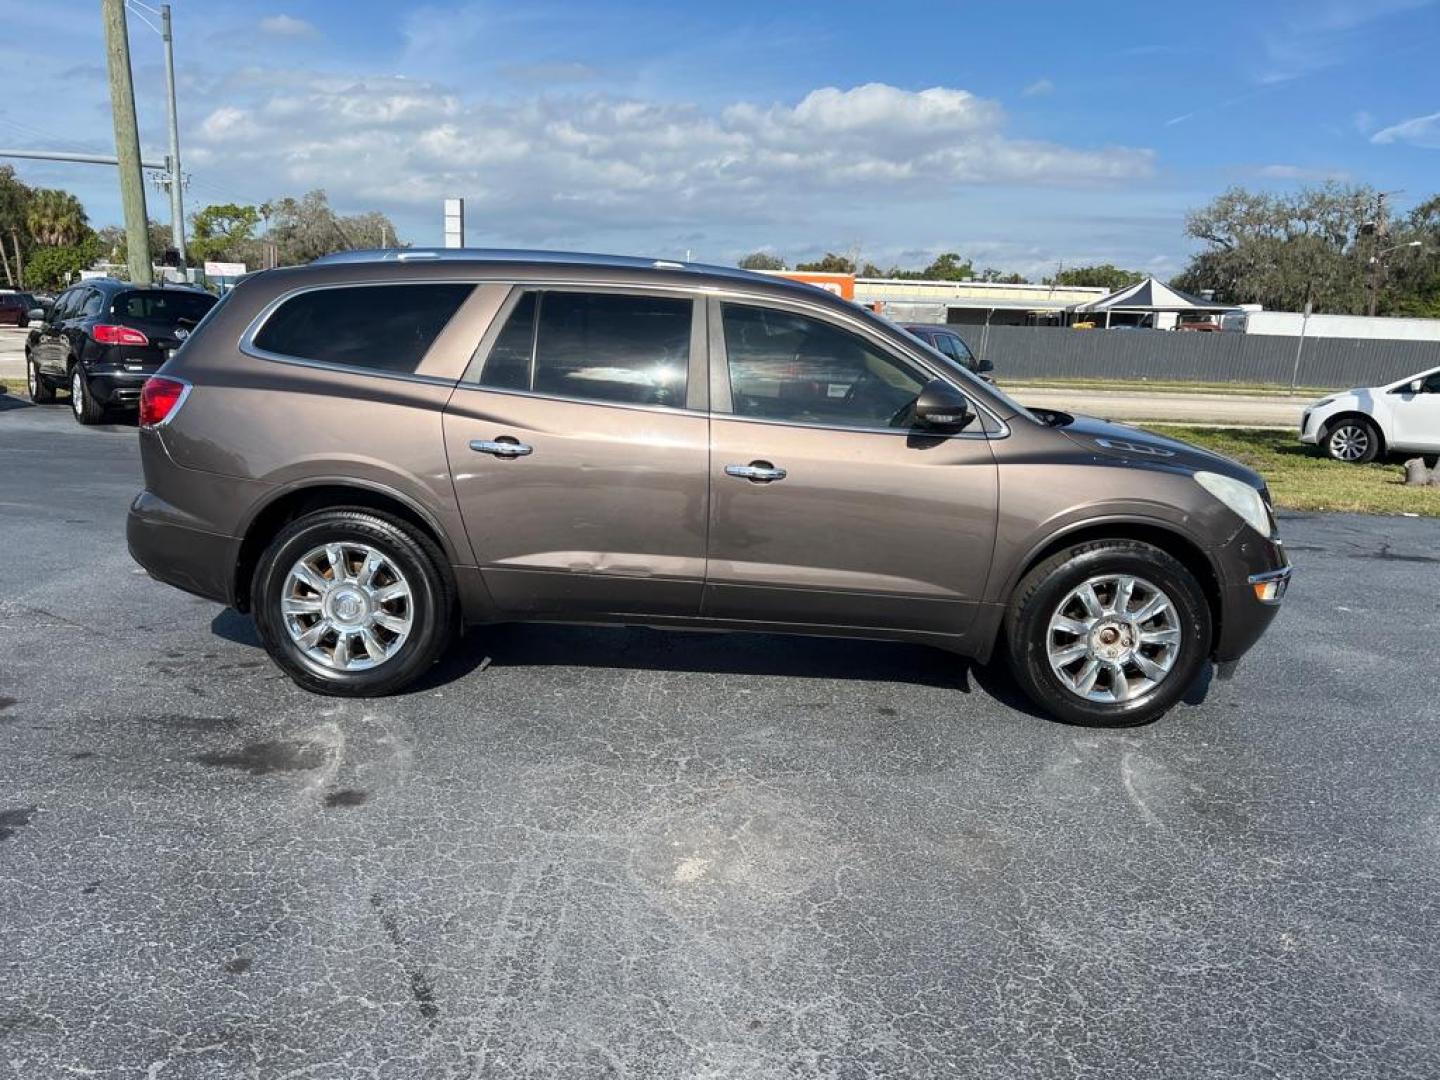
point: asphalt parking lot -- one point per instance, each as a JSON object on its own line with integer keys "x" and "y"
{"x": 584, "y": 852}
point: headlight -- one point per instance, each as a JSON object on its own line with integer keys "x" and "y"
{"x": 1238, "y": 496}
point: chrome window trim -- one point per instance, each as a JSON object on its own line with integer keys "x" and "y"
{"x": 247, "y": 345}
{"x": 672, "y": 409}
{"x": 564, "y": 283}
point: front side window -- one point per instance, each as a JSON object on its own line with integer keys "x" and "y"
{"x": 1431, "y": 385}
{"x": 380, "y": 327}
{"x": 793, "y": 368}
{"x": 597, "y": 346}
{"x": 956, "y": 349}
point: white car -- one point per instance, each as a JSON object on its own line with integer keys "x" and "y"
{"x": 1356, "y": 425}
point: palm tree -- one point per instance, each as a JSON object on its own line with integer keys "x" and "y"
{"x": 56, "y": 218}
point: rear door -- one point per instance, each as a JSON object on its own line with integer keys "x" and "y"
{"x": 578, "y": 443}
{"x": 826, "y": 508}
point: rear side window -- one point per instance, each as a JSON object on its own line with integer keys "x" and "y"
{"x": 93, "y": 302}
{"x": 168, "y": 306}
{"x": 596, "y": 346}
{"x": 378, "y": 327}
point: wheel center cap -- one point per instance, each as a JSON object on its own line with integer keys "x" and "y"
{"x": 348, "y": 605}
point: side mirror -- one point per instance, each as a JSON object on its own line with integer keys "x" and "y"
{"x": 940, "y": 407}
{"x": 982, "y": 366}
{"x": 1415, "y": 386}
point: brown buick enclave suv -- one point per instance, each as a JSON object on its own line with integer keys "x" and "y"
{"x": 374, "y": 451}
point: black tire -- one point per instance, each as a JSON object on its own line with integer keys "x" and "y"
{"x": 41, "y": 392}
{"x": 1040, "y": 595}
{"x": 432, "y": 600}
{"x": 1352, "y": 440}
{"x": 83, "y": 405}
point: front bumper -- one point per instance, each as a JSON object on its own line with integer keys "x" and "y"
{"x": 173, "y": 551}
{"x": 1250, "y": 567}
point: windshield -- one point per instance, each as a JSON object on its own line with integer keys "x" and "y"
{"x": 164, "y": 305}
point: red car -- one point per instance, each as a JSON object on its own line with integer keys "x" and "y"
{"x": 14, "y": 309}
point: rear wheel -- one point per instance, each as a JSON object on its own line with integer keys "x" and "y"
{"x": 1353, "y": 440}
{"x": 82, "y": 402}
{"x": 1108, "y": 634}
{"x": 41, "y": 392}
{"x": 353, "y": 603}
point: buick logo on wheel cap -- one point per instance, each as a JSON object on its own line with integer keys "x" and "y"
{"x": 181, "y": 334}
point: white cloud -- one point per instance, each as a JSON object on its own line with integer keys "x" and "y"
{"x": 287, "y": 26}
{"x": 1038, "y": 88}
{"x": 1300, "y": 172}
{"x": 544, "y": 162}
{"x": 1418, "y": 131}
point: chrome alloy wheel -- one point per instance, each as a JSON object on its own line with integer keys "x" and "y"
{"x": 347, "y": 606}
{"x": 1348, "y": 442}
{"x": 32, "y": 380}
{"x": 77, "y": 391}
{"x": 1113, "y": 639}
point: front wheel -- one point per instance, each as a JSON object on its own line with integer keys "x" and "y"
{"x": 1353, "y": 440}
{"x": 353, "y": 603}
{"x": 1109, "y": 633}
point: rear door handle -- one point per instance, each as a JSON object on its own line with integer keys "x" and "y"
{"x": 761, "y": 472}
{"x": 503, "y": 447}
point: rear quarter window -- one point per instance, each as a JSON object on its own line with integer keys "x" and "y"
{"x": 376, "y": 327}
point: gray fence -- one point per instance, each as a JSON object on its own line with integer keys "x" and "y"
{"x": 1036, "y": 352}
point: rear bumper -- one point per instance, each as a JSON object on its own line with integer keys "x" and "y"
{"x": 177, "y": 553}
{"x": 117, "y": 388}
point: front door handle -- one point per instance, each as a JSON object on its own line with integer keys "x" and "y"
{"x": 503, "y": 447}
{"x": 760, "y": 472}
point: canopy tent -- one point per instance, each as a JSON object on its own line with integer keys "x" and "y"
{"x": 1146, "y": 298}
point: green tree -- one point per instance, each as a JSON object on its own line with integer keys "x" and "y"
{"x": 1104, "y": 275}
{"x": 830, "y": 264}
{"x": 761, "y": 260}
{"x": 56, "y": 218}
{"x": 1280, "y": 249}
{"x": 306, "y": 228}
{"x": 224, "y": 232}
{"x": 56, "y": 267}
{"x": 947, "y": 267}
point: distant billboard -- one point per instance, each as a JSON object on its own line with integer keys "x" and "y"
{"x": 224, "y": 269}
{"x": 842, "y": 285}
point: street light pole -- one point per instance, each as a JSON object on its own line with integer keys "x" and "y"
{"x": 177, "y": 210}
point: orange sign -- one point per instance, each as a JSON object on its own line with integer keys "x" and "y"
{"x": 842, "y": 285}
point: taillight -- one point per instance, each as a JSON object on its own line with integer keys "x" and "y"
{"x": 106, "y": 334}
{"x": 160, "y": 397}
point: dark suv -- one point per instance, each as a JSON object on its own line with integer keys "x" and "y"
{"x": 952, "y": 346}
{"x": 375, "y": 450}
{"x": 103, "y": 339}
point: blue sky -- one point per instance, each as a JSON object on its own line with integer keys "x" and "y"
{"x": 1021, "y": 135}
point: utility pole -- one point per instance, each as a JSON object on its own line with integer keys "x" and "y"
{"x": 127, "y": 140}
{"x": 177, "y": 211}
{"x": 1379, "y": 231}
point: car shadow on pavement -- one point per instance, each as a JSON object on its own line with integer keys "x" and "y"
{"x": 521, "y": 645}
{"x": 10, "y": 402}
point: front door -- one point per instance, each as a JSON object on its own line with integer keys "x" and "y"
{"x": 578, "y": 444}
{"x": 826, "y": 509}
{"x": 1417, "y": 416}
